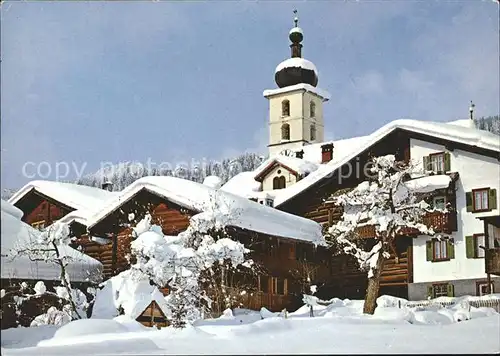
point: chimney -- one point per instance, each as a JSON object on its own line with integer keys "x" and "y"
{"x": 299, "y": 154}
{"x": 326, "y": 152}
{"x": 107, "y": 185}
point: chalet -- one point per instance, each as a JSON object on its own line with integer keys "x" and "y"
{"x": 303, "y": 171}
{"x": 15, "y": 270}
{"x": 283, "y": 245}
{"x": 44, "y": 202}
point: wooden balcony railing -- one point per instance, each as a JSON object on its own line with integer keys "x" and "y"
{"x": 439, "y": 221}
{"x": 492, "y": 261}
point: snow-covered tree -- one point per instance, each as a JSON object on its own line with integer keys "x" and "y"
{"x": 389, "y": 203}
{"x": 52, "y": 246}
{"x": 184, "y": 263}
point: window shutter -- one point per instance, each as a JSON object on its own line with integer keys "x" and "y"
{"x": 447, "y": 159}
{"x": 492, "y": 199}
{"x": 451, "y": 249}
{"x": 451, "y": 290}
{"x": 427, "y": 163}
{"x": 469, "y": 246}
{"x": 468, "y": 201}
{"x": 430, "y": 291}
{"x": 428, "y": 245}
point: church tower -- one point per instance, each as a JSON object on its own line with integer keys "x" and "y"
{"x": 296, "y": 107}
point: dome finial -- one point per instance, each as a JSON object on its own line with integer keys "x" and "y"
{"x": 296, "y": 18}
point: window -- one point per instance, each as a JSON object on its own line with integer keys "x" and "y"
{"x": 313, "y": 132}
{"x": 480, "y": 198}
{"x": 279, "y": 182}
{"x": 264, "y": 284}
{"x": 312, "y": 109}
{"x": 39, "y": 224}
{"x": 269, "y": 202}
{"x": 479, "y": 245}
{"x": 285, "y": 108}
{"x": 285, "y": 132}
{"x": 440, "y": 250}
{"x": 482, "y": 288}
{"x": 440, "y": 290}
{"x": 278, "y": 285}
{"x": 475, "y": 245}
{"x": 437, "y": 162}
{"x": 439, "y": 202}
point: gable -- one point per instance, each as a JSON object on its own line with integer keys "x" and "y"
{"x": 37, "y": 206}
{"x": 169, "y": 215}
{"x": 272, "y": 168}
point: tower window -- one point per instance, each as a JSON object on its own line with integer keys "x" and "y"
{"x": 312, "y": 109}
{"x": 285, "y": 108}
{"x": 279, "y": 182}
{"x": 285, "y": 132}
{"x": 313, "y": 133}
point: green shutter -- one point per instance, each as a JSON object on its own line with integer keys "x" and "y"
{"x": 492, "y": 199}
{"x": 451, "y": 249}
{"x": 430, "y": 292}
{"x": 447, "y": 159}
{"x": 430, "y": 255}
{"x": 451, "y": 290}
{"x": 469, "y": 247}
{"x": 468, "y": 201}
{"x": 427, "y": 163}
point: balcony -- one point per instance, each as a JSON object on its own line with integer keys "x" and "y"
{"x": 440, "y": 222}
{"x": 492, "y": 261}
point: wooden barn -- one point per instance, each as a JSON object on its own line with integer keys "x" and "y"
{"x": 285, "y": 247}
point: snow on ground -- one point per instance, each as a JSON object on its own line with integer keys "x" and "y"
{"x": 339, "y": 328}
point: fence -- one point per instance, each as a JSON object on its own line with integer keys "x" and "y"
{"x": 488, "y": 303}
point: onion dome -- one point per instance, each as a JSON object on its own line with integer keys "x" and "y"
{"x": 296, "y": 70}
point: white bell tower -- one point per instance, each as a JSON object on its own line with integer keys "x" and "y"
{"x": 296, "y": 107}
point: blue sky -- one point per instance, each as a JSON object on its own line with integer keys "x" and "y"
{"x": 91, "y": 82}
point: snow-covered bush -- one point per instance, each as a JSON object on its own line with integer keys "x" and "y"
{"x": 50, "y": 246}
{"x": 389, "y": 202}
{"x": 53, "y": 317}
{"x": 186, "y": 262}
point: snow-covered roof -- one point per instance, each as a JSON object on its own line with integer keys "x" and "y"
{"x": 238, "y": 211}
{"x": 429, "y": 183}
{"x": 298, "y": 165}
{"x": 302, "y": 86}
{"x": 446, "y": 131}
{"x": 242, "y": 184}
{"x": 297, "y": 62}
{"x": 15, "y": 233}
{"x": 86, "y": 200}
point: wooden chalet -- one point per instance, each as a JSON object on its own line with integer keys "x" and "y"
{"x": 309, "y": 198}
{"x": 44, "y": 202}
{"x": 285, "y": 247}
